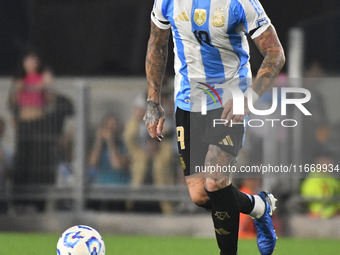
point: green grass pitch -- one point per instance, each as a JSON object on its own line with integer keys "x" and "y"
{"x": 45, "y": 244}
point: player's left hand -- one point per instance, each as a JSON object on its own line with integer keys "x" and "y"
{"x": 228, "y": 112}
{"x": 154, "y": 119}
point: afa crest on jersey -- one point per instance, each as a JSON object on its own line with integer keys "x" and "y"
{"x": 218, "y": 20}
{"x": 200, "y": 16}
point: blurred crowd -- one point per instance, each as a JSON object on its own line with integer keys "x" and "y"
{"x": 43, "y": 153}
{"x": 122, "y": 153}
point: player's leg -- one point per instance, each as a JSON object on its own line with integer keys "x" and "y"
{"x": 198, "y": 194}
{"x": 226, "y": 202}
{"x": 226, "y": 143}
{"x": 194, "y": 153}
{"x": 196, "y": 181}
{"x": 225, "y": 207}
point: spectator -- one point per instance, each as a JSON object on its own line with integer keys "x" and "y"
{"x": 28, "y": 102}
{"x": 108, "y": 161}
{"x": 145, "y": 152}
{"x": 28, "y": 99}
{"x": 323, "y": 187}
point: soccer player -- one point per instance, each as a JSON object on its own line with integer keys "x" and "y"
{"x": 211, "y": 50}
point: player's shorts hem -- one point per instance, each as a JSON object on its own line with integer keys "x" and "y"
{"x": 195, "y": 132}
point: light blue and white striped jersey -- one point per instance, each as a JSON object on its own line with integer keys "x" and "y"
{"x": 210, "y": 44}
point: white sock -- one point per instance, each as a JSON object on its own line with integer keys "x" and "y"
{"x": 259, "y": 207}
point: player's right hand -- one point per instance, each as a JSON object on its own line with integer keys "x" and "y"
{"x": 228, "y": 112}
{"x": 154, "y": 119}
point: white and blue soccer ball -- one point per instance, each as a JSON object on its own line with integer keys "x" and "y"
{"x": 80, "y": 240}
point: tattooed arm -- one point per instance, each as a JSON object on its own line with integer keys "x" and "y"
{"x": 270, "y": 47}
{"x": 156, "y": 58}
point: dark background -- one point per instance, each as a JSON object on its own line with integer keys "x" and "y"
{"x": 109, "y": 37}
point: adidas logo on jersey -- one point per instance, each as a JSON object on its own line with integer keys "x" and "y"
{"x": 182, "y": 17}
{"x": 227, "y": 141}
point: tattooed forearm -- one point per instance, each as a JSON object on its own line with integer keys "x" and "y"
{"x": 153, "y": 113}
{"x": 156, "y": 58}
{"x": 274, "y": 59}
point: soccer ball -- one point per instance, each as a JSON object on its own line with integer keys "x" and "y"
{"x": 80, "y": 240}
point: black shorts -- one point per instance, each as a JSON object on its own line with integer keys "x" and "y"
{"x": 195, "y": 132}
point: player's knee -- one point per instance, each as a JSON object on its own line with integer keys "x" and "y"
{"x": 199, "y": 199}
{"x": 206, "y": 205}
{"x": 212, "y": 185}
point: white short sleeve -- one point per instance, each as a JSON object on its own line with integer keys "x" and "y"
{"x": 257, "y": 18}
{"x": 157, "y": 15}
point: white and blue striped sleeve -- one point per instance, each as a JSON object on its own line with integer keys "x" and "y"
{"x": 157, "y": 15}
{"x": 257, "y": 18}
